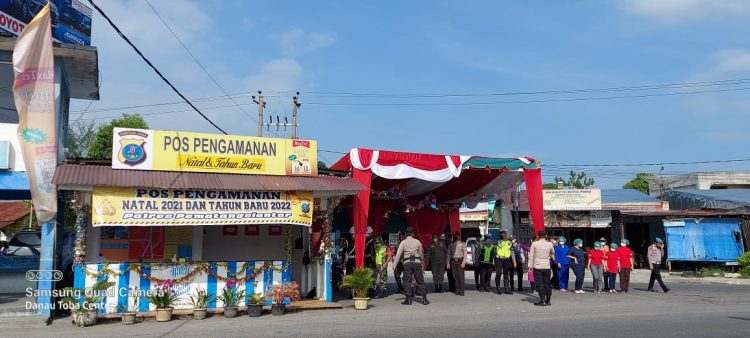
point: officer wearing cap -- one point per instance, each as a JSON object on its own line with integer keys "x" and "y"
{"x": 655, "y": 254}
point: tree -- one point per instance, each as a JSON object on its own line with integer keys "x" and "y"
{"x": 80, "y": 135}
{"x": 101, "y": 146}
{"x": 639, "y": 183}
{"x": 576, "y": 180}
{"x": 322, "y": 165}
{"x": 549, "y": 186}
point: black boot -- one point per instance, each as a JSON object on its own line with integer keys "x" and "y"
{"x": 508, "y": 291}
{"x": 497, "y": 288}
{"x": 407, "y": 301}
{"x": 541, "y": 301}
{"x": 424, "y": 300}
{"x": 547, "y": 300}
{"x": 436, "y": 287}
{"x": 440, "y": 288}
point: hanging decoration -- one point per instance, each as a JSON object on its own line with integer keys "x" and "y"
{"x": 79, "y": 246}
{"x": 393, "y": 192}
{"x": 326, "y": 242}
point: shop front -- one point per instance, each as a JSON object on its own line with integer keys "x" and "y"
{"x": 207, "y": 226}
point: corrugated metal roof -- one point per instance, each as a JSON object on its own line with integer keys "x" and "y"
{"x": 739, "y": 196}
{"x": 97, "y": 175}
{"x": 625, "y": 195}
{"x": 12, "y": 211}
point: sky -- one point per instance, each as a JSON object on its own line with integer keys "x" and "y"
{"x": 449, "y": 77}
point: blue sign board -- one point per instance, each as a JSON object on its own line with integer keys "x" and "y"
{"x": 71, "y": 19}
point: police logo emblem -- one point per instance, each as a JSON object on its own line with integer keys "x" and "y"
{"x": 131, "y": 152}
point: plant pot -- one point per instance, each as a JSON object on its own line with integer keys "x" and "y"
{"x": 255, "y": 310}
{"x": 361, "y": 303}
{"x": 200, "y": 314}
{"x": 230, "y": 311}
{"x": 164, "y": 315}
{"x": 128, "y": 318}
{"x": 278, "y": 309}
{"x": 85, "y": 318}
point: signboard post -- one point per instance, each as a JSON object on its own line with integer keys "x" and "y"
{"x": 572, "y": 199}
{"x": 140, "y": 149}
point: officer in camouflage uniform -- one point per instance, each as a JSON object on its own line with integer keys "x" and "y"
{"x": 383, "y": 255}
{"x": 436, "y": 254}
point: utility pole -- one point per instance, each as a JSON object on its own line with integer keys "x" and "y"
{"x": 295, "y": 106}
{"x": 261, "y": 105}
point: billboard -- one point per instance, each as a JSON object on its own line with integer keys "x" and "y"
{"x": 161, "y": 150}
{"x": 179, "y": 207}
{"x": 71, "y": 19}
{"x": 572, "y": 199}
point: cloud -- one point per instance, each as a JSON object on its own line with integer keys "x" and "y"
{"x": 731, "y": 61}
{"x": 726, "y": 136}
{"x": 297, "y": 41}
{"x": 674, "y": 11}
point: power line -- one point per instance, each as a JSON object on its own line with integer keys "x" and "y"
{"x": 649, "y": 164}
{"x": 148, "y": 62}
{"x": 524, "y": 102}
{"x": 205, "y": 70}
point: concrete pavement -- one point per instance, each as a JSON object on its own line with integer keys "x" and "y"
{"x": 689, "y": 310}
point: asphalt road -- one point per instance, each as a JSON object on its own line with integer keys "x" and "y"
{"x": 689, "y": 310}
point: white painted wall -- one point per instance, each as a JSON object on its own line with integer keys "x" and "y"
{"x": 217, "y": 247}
{"x": 9, "y": 132}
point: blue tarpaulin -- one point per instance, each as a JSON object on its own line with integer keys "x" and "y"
{"x": 703, "y": 240}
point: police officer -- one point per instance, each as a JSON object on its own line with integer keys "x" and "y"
{"x": 520, "y": 260}
{"x": 412, "y": 252}
{"x": 383, "y": 255}
{"x": 436, "y": 256}
{"x": 486, "y": 263}
{"x": 504, "y": 262}
{"x": 398, "y": 271}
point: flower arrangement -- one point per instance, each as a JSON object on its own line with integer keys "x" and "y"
{"x": 230, "y": 294}
{"x": 283, "y": 293}
{"x": 164, "y": 296}
{"x": 201, "y": 298}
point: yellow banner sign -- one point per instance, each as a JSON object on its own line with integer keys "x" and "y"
{"x": 181, "y": 151}
{"x": 173, "y": 207}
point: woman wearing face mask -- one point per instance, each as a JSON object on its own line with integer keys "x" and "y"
{"x": 596, "y": 266}
{"x": 578, "y": 264}
{"x": 613, "y": 266}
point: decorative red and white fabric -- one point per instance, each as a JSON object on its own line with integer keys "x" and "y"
{"x": 400, "y": 165}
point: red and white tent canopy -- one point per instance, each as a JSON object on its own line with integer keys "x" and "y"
{"x": 451, "y": 179}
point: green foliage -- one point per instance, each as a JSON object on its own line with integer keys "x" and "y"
{"x": 576, "y": 180}
{"x": 639, "y": 183}
{"x": 230, "y": 295}
{"x": 101, "y": 145}
{"x": 360, "y": 281}
{"x": 549, "y": 186}
{"x": 710, "y": 272}
{"x": 201, "y": 298}
{"x": 322, "y": 165}
{"x": 744, "y": 262}
{"x": 162, "y": 297}
{"x": 256, "y": 299}
{"x": 80, "y": 135}
{"x": 78, "y": 300}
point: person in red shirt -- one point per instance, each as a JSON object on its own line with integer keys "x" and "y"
{"x": 596, "y": 266}
{"x": 613, "y": 266}
{"x": 625, "y": 256}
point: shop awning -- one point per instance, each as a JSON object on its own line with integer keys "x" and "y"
{"x": 78, "y": 176}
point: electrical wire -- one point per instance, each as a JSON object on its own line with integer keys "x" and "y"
{"x": 205, "y": 70}
{"x": 151, "y": 65}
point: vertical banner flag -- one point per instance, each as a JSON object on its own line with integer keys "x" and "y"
{"x": 34, "y": 93}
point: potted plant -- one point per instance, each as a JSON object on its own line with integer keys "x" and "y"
{"x": 255, "y": 305}
{"x": 163, "y": 297}
{"x": 85, "y": 303}
{"x": 129, "y": 309}
{"x": 231, "y": 296}
{"x": 360, "y": 282}
{"x": 200, "y": 301}
{"x": 282, "y": 294}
